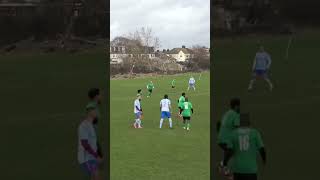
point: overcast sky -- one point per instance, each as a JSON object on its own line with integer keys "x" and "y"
{"x": 175, "y": 22}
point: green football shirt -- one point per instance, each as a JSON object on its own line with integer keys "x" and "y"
{"x": 186, "y": 109}
{"x": 181, "y": 101}
{"x": 229, "y": 122}
{"x": 245, "y": 143}
{"x": 150, "y": 86}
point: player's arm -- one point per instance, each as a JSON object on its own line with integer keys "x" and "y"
{"x": 84, "y": 136}
{"x": 260, "y": 145}
{"x": 99, "y": 151}
{"x": 263, "y": 154}
{"x": 218, "y": 125}
{"x": 228, "y": 153}
{"x": 254, "y": 63}
{"x": 269, "y": 62}
{"x": 138, "y": 109}
{"x": 85, "y": 144}
{"x": 181, "y": 108}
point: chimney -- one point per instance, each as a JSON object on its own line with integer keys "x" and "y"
{"x": 183, "y": 46}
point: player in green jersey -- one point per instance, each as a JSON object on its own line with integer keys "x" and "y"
{"x": 181, "y": 100}
{"x": 229, "y": 122}
{"x": 150, "y": 87}
{"x": 243, "y": 148}
{"x": 173, "y": 83}
{"x": 186, "y": 111}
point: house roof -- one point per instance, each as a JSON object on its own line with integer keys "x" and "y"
{"x": 177, "y": 50}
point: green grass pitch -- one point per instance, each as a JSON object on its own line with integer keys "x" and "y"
{"x": 287, "y": 117}
{"x": 153, "y": 153}
{"x": 43, "y": 100}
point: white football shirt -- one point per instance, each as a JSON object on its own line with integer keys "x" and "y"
{"x": 136, "y": 104}
{"x": 86, "y": 132}
{"x": 165, "y": 105}
{"x": 192, "y": 81}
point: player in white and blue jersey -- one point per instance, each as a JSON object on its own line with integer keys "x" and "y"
{"x": 88, "y": 156}
{"x": 137, "y": 112}
{"x": 192, "y": 83}
{"x": 165, "y": 107}
{"x": 261, "y": 67}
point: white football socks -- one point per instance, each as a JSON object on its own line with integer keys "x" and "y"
{"x": 161, "y": 122}
{"x": 170, "y": 121}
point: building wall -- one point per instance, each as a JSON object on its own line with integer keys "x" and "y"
{"x": 181, "y": 56}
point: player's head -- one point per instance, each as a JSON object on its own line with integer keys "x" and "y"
{"x": 91, "y": 113}
{"x": 261, "y": 48}
{"x": 139, "y": 90}
{"x": 186, "y": 99}
{"x": 166, "y": 96}
{"x": 245, "y": 120}
{"x": 94, "y": 94}
{"x": 235, "y": 104}
{"x": 183, "y": 94}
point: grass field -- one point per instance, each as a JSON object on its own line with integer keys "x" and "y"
{"x": 42, "y": 102}
{"x": 287, "y": 117}
{"x": 153, "y": 153}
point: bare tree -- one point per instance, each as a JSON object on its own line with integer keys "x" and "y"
{"x": 201, "y": 57}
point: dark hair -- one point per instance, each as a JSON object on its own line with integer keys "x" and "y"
{"x": 183, "y": 94}
{"x": 234, "y": 102}
{"x": 93, "y": 92}
{"x": 166, "y": 96}
{"x": 139, "y": 90}
{"x": 186, "y": 99}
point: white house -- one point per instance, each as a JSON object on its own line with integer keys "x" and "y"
{"x": 181, "y": 54}
{"x": 118, "y": 53}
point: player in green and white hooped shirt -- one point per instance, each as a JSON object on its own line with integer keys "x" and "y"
{"x": 150, "y": 87}
{"x": 243, "y": 148}
{"x": 186, "y": 111}
{"x": 230, "y": 121}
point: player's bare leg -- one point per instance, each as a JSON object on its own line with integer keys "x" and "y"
{"x": 269, "y": 83}
{"x": 251, "y": 83}
{"x": 135, "y": 123}
{"x": 139, "y": 123}
{"x": 184, "y": 124}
